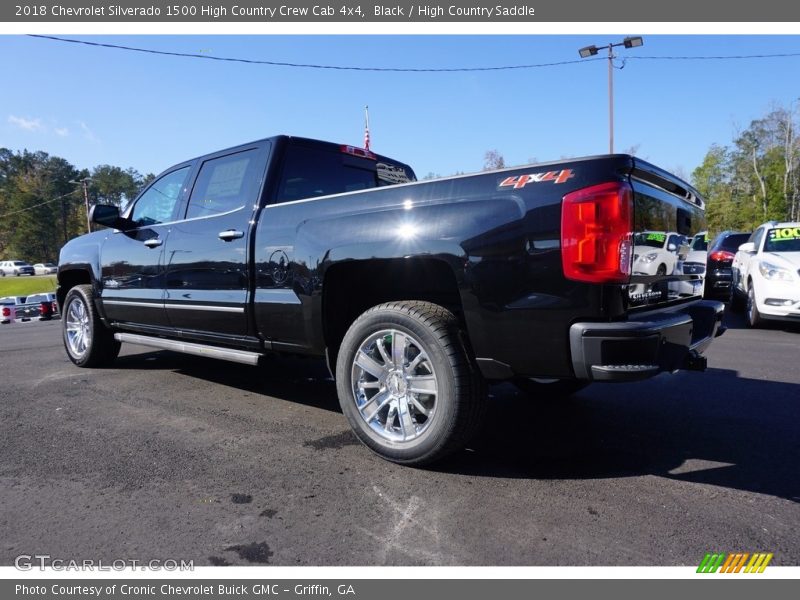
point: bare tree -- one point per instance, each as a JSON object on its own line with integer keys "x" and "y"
{"x": 493, "y": 160}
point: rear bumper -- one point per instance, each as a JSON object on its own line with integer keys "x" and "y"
{"x": 718, "y": 284}
{"x": 646, "y": 344}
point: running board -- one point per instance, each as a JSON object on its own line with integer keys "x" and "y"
{"x": 239, "y": 356}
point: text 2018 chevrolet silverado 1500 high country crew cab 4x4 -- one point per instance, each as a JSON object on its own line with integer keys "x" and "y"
{"x": 417, "y": 293}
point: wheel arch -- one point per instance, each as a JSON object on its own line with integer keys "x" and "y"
{"x": 346, "y": 294}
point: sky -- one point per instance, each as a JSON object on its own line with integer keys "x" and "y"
{"x": 97, "y": 106}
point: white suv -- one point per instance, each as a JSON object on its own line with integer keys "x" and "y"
{"x": 766, "y": 272}
{"x": 656, "y": 252}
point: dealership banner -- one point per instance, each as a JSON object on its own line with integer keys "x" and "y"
{"x": 316, "y": 11}
{"x": 386, "y": 589}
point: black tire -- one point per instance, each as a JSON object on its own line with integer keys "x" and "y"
{"x": 753, "y": 316}
{"x": 546, "y": 391}
{"x": 456, "y": 408}
{"x": 88, "y": 342}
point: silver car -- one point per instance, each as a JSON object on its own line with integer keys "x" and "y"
{"x": 45, "y": 268}
{"x": 15, "y": 267}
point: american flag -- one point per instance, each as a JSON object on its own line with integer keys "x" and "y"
{"x": 366, "y": 127}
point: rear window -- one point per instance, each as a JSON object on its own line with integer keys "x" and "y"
{"x": 732, "y": 242}
{"x": 310, "y": 172}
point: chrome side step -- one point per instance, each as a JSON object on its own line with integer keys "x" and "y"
{"x": 239, "y": 356}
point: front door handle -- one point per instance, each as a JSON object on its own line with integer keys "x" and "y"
{"x": 153, "y": 242}
{"x": 230, "y": 234}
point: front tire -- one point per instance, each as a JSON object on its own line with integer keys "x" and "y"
{"x": 407, "y": 384}
{"x": 88, "y": 342}
{"x": 754, "y": 318}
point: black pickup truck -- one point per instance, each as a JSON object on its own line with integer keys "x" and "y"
{"x": 416, "y": 293}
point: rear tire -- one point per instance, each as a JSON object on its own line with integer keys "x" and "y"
{"x": 88, "y": 342}
{"x": 407, "y": 383}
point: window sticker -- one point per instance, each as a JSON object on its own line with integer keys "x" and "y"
{"x": 784, "y": 234}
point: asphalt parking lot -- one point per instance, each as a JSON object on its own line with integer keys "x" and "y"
{"x": 166, "y": 456}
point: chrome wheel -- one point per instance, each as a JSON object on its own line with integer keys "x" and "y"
{"x": 78, "y": 329}
{"x": 394, "y": 385}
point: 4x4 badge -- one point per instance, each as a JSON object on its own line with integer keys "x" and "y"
{"x": 520, "y": 181}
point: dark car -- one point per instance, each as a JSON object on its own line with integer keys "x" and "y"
{"x": 719, "y": 274}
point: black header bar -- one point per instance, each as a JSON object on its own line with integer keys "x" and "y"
{"x": 357, "y": 11}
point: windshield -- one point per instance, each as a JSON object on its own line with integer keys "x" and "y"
{"x": 650, "y": 238}
{"x": 783, "y": 239}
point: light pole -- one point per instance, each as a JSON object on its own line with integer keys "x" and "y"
{"x": 628, "y": 42}
{"x": 85, "y": 182}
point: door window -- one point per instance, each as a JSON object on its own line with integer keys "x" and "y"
{"x": 224, "y": 184}
{"x": 157, "y": 204}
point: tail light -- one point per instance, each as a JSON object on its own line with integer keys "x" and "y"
{"x": 46, "y": 309}
{"x": 360, "y": 152}
{"x": 596, "y": 226}
{"x": 6, "y": 311}
{"x": 721, "y": 256}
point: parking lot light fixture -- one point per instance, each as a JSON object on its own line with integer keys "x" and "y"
{"x": 586, "y": 52}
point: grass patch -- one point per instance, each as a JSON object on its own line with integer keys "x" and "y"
{"x": 25, "y": 286}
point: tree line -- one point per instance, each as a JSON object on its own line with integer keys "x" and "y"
{"x": 754, "y": 179}
{"x": 42, "y": 201}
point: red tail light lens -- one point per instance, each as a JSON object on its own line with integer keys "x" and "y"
{"x": 360, "y": 152}
{"x": 45, "y": 309}
{"x": 6, "y": 311}
{"x": 721, "y": 256}
{"x": 596, "y": 226}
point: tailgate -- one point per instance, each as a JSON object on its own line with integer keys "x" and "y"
{"x": 668, "y": 212}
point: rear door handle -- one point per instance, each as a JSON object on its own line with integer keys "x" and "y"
{"x": 153, "y": 242}
{"x": 230, "y": 234}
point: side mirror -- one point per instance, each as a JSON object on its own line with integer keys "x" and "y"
{"x": 106, "y": 214}
{"x": 672, "y": 247}
{"x": 748, "y": 247}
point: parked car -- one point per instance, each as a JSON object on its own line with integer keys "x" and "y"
{"x": 15, "y": 267}
{"x": 45, "y": 268}
{"x": 46, "y": 306}
{"x": 23, "y": 310}
{"x": 8, "y": 310}
{"x": 766, "y": 273}
{"x": 719, "y": 273}
{"x": 656, "y": 252}
{"x": 416, "y": 293}
{"x": 693, "y": 267}
{"x": 657, "y": 257}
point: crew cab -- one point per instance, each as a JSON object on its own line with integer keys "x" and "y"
{"x": 416, "y": 293}
{"x": 766, "y": 274}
